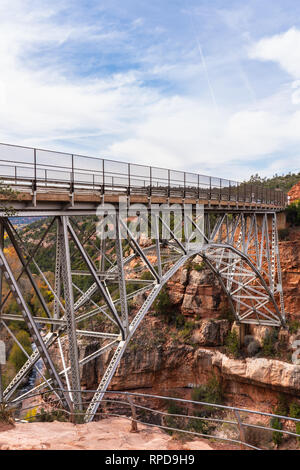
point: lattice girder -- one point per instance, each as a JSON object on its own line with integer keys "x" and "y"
{"x": 95, "y": 280}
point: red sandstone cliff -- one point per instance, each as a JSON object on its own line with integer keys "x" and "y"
{"x": 163, "y": 358}
{"x": 294, "y": 193}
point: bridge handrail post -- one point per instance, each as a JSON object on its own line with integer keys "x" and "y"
{"x": 210, "y": 188}
{"x": 128, "y": 174}
{"x": 184, "y": 184}
{"x": 34, "y": 183}
{"x": 241, "y": 428}
{"x": 198, "y": 186}
{"x": 169, "y": 184}
{"x": 103, "y": 176}
{"x": 150, "y": 190}
{"x": 134, "y": 426}
{"x": 72, "y": 175}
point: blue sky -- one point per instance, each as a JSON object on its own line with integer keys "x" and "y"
{"x": 207, "y": 86}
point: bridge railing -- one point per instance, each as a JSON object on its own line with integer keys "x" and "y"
{"x": 250, "y": 429}
{"x": 37, "y": 168}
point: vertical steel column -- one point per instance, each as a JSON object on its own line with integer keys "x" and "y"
{"x": 34, "y": 184}
{"x": 69, "y": 311}
{"x": 2, "y": 247}
{"x": 268, "y": 254}
{"x": 157, "y": 244}
{"x": 1, "y": 286}
{"x": 279, "y": 273}
{"x": 121, "y": 275}
{"x": 57, "y": 280}
{"x": 129, "y": 184}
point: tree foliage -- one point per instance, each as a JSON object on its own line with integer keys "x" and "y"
{"x": 16, "y": 356}
{"x": 283, "y": 182}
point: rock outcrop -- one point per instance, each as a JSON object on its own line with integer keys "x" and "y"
{"x": 290, "y": 264}
{"x": 253, "y": 382}
{"x": 197, "y": 293}
{"x": 108, "y": 434}
{"x": 294, "y": 193}
{"x": 211, "y": 333}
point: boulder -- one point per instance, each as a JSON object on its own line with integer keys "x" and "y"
{"x": 211, "y": 333}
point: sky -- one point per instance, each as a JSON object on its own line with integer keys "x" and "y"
{"x": 208, "y": 86}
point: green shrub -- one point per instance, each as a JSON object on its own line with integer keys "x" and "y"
{"x": 210, "y": 393}
{"x": 293, "y": 213}
{"x": 233, "y": 343}
{"x": 298, "y": 431}
{"x": 163, "y": 305}
{"x": 283, "y": 234}
{"x": 50, "y": 416}
{"x": 186, "y": 332}
{"x": 227, "y": 314}
{"x": 282, "y": 407}
{"x": 179, "y": 320}
{"x": 293, "y": 326}
{"x": 294, "y": 410}
{"x": 275, "y": 423}
{"x": 16, "y": 356}
{"x": 295, "y": 413}
{"x": 174, "y": 421}
{"x": 146, "y": 276}
{"x": 268, "y": 346}
{"x": 198, "y": 425}
{"x": 199, "y": 266}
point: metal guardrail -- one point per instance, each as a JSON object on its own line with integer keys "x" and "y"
{"x": 38, "y": 168}
{"x": 178, "y": 422}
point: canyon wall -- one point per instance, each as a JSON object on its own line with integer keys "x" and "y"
{"x": 163, "y": 359}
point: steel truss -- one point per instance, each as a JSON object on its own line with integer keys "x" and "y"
{"x": 240, "y": 248}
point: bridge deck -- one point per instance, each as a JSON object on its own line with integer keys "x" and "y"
{"x": 47, "y": 180}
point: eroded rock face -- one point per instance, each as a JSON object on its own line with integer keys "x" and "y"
{"x": 272, "y": 373}
{"x": 290, "y": 264}
{"x": 211, "y": 333}
{"x": 248, "y": 382}
{"x": 294, "y": 193}
{"x": 197, "y": 293}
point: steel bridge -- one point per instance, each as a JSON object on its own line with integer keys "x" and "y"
{"x": 99, "y": 260}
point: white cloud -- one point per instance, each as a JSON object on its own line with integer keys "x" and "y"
{"x": 184, "y": 133}
{"x": 41, "y": 105}
{"x": 281, "y": 48}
